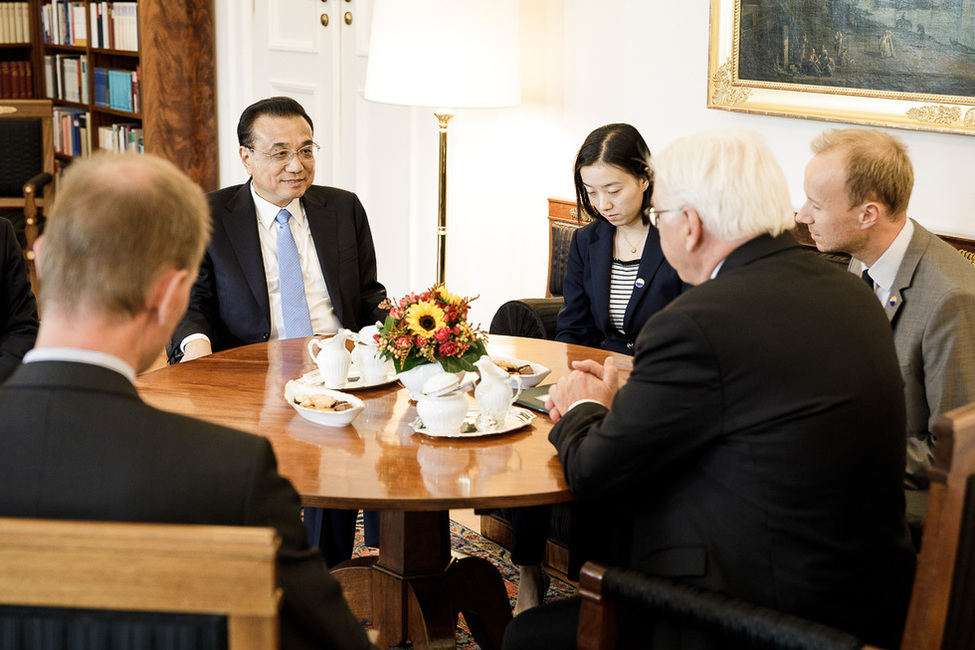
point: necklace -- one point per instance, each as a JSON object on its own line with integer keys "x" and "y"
{"x": 627, "y": 239}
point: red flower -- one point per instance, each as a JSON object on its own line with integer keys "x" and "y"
{"x": 419, "y": 341}
{"x": 404, "y": 342}
{"x": 449, "y": 349}
{"x": 442, "y": 335}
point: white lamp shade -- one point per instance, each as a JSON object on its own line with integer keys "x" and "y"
{"x": 444, "y": 53}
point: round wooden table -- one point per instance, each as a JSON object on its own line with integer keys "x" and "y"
{"x": 413, "y": 589}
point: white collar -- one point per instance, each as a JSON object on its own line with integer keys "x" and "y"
{"x": 884, "y": 270}
{"x": 78, "y": 355}
{"x": 267, "y": 212}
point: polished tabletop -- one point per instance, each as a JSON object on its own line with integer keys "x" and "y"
{"x": 379, "y": 461}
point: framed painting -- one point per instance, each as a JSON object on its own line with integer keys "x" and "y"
{"x": 899, "y": 63}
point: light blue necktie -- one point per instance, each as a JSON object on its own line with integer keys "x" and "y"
{"x": 294, "y": 306}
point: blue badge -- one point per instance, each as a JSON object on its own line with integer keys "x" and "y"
{"x": 639, "y": 282}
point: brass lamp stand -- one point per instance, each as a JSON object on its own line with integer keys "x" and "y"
{"x": 443, "y": 118}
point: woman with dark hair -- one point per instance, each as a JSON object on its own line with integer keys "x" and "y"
{"x": 616, "y": 278}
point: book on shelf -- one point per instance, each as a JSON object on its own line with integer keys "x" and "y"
{"x": 122, "y": 136}
{"x": 71, "y": 131}
{"x": 14, "y": 22}
{"x": 114, "y": 25}
{"x": 66, "y": 77}
{"x": 122, "y": 89}
{"x": 101, "y": 87}
{"x": 16, "y": 80}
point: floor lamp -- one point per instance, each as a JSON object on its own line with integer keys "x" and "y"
{"x": 444, "y": 54}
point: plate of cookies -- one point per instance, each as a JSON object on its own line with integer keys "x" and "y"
{"x": 530, "y": 374}
{"x": 324, "y": 406}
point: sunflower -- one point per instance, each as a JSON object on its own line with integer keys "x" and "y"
{"x": 424, "y": 318}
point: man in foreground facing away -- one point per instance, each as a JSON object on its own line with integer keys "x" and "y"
{"x": 756, "y": 448}
{"x": 77, "y": 442}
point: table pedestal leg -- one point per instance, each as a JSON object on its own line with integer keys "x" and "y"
{"x": 414, "y": 589}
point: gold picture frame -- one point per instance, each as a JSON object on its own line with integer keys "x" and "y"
{"x": 762, "y": 60}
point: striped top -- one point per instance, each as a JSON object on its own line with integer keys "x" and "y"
{"x": 621, "y": 279}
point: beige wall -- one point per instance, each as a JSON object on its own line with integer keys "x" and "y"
{"x": 587, "y": 63}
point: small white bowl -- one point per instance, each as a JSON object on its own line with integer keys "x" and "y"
{"x": 527, "y": 381}
{"x": 326, "y": 418}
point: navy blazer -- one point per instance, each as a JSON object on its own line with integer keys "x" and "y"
{"x": 229, "y": 302}
{"x": 584, "y": 318}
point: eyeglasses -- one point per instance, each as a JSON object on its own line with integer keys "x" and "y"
{"x": 654, "y": 215}
{"x": 282, "y": 157}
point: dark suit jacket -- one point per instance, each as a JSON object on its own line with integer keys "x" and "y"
{"x": 18, "y": 311}
{"x": 757, "y": 448}
{"x": 584, "y": 317}
{"x": 77, "y": 442}
{"x": 229, "y": 302}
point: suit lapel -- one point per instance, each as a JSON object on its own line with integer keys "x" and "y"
{"x": 239, "y": 221}
{"x": 323, "y": 227}
{"x": 650, "y": 262}
{"x": 601, "y": 260}
{"x": 905, "y": 274}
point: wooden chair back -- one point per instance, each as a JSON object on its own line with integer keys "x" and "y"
{"x": 224, "y": 570}
{"x": 942, "y": 610}
{"x": 941, "y": 615}
{"x": 27, "y": 169}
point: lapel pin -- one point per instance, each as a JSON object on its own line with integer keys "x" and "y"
{"x": 639, "y": 282}
{"x": 893, "y": 301}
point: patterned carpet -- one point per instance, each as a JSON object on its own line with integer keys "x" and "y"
{"x": 469, "y": 542}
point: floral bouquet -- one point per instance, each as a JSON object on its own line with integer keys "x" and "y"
{"x": 431, "y": 327}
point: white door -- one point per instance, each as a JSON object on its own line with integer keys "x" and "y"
{"x": 367, "y": 148}
{"x": 315, "y": 51}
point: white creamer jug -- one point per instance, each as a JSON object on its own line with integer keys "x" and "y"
{"x": 332, "y": 358}
{"x": 495, "y": 394}
{"x": 372, "y": 366}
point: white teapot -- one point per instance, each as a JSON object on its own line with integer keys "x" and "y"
{"x": 366, "y": 356}
{"x": 443, "y": 404}
{"x": 495, "y": 394}
{"x": 332, "y": 358}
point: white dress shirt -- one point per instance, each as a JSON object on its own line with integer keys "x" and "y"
{"x": 323, "y": 319}
{"x": 884, "y": 270}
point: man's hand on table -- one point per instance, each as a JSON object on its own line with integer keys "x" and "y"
{"x": 588, "y": 380}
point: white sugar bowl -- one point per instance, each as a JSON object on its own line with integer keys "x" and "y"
{"x": 441, "y": 406}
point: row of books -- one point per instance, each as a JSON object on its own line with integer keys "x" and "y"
{"x": 115, "y": 25}
{"x": 73, "y": 133}
{"x": 64, "y": 23}
{"x": 66, "y": 77}
{"x": 16, "y": 80}
{"x": 14, "y": 22}
{"x": 118, "y": 89}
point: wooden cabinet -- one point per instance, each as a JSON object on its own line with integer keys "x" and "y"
{"x": 174, "y": 59}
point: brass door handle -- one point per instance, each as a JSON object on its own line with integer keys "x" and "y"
{"x": 324, "y": 20}
{"x": 348, "y": 17}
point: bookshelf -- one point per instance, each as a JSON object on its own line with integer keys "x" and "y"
{"x": 16, "y": 63}
{"x": 140, "y": 74}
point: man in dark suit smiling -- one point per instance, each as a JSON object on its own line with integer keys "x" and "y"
{"x": 287, "y": 259}
{"x": 242, "y": 293}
